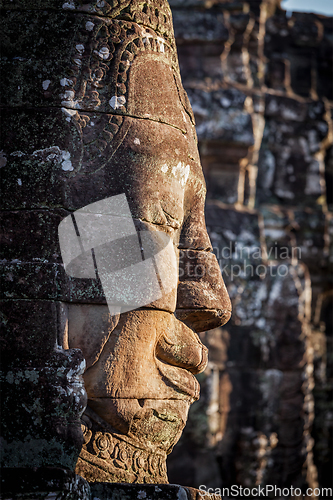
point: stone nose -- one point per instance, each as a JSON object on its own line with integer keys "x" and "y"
{"x": 203, "y": 302}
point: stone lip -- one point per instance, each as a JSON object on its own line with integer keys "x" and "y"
{"x": 43, "y": 482}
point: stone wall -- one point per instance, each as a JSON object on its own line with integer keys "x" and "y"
{"x": 260, "y": 84}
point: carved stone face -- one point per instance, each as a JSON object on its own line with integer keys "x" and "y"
{"x": 140, "y": 365}
{"x": 102, "y": 112}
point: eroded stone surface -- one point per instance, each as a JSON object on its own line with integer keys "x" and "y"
{"x": 51, "y": 483}
{"x": 42, "y": 387}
